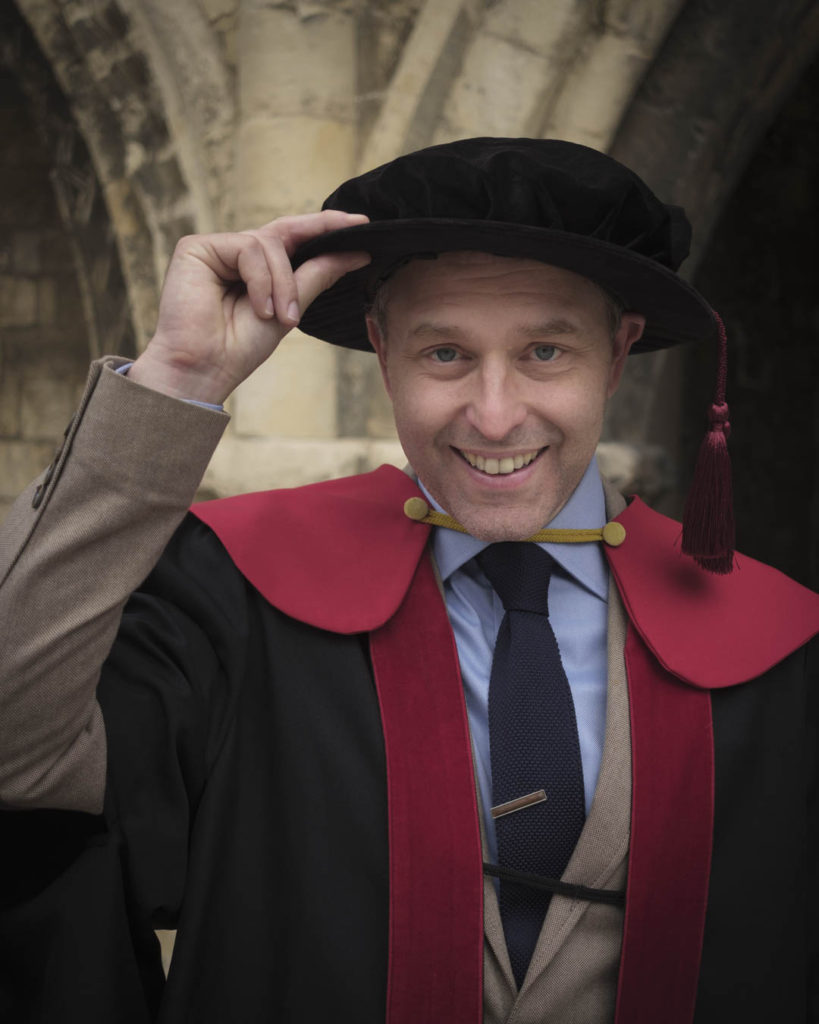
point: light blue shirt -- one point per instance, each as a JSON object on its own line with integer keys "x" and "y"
{"x": 123, "y": 371}
{"x": 578, "y": 607}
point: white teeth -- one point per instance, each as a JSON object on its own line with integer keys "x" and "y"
{"x": 496, "y": 467}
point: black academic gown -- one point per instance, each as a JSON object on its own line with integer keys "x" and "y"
{"x": 247, "y": 806}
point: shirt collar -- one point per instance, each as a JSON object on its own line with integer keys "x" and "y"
{"x": 585, "y": 509}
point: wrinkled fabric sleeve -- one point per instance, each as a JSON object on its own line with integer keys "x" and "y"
{"x": 84, "y": 892}
{"x": 77, "y": 542}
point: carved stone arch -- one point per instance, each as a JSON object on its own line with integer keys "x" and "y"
{"x": 727, "y": 75}
{"x": 514, "y": 67}
{"x": 195, "y": 79}
{"x": 76, "y": 189}
{"x": 564, "y": 69}
{"x": 711, "y": 93}
{"x": 62, "y": 294}
{"x": 99, "y": 59}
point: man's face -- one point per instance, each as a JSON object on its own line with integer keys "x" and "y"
{"x": 499, "y": 371}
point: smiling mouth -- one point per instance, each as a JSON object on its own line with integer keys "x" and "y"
{"x": 500, "y": 466}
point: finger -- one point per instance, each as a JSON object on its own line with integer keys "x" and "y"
{"x": 320, "y": 273}
{"x": 283, "y": 297}
{"x": 295, "y": 231}
{"x": 282, "y": 237}
{"x": 251, "y": 263}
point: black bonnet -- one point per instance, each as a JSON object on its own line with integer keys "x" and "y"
{"x": 544, "y": 199}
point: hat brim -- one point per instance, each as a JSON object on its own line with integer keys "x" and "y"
{"x": 675, "y": 312}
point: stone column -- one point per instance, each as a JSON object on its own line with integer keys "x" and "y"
{"x": 295, "y": 143}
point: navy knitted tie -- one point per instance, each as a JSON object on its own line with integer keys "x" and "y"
{"x": 533, "y": 743}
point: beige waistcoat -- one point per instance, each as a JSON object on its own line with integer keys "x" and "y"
{"x": 572, "y": 977}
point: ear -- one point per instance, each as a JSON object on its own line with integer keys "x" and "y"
{"x": 379, "y": 344}
{"x": 630, "y": 330}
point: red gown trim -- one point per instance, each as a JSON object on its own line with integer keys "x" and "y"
{"x": 436, "y": 876}
{"x": 672, "y": 819}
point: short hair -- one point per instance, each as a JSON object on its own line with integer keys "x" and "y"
{"x": 377, "y": 309}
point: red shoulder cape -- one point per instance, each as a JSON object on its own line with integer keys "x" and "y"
{"x": 340, "y": 555}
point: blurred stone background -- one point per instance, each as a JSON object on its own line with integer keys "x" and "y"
{"x": 127, "y": 123}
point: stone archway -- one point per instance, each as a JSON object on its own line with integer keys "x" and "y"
{"x": 137, "y": 150}
{"x": 98, "y": 59}
{"x": 61, "y": 287}
{"x": 713, "y": 90}
{"x": 719, "y": 83}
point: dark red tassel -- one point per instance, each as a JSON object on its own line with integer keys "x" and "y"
{"x": 708, "y": 520}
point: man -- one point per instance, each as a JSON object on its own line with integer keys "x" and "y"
{"x": 282, "y": 766}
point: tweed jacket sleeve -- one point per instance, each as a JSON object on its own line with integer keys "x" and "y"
{"x": 75, "y": 544}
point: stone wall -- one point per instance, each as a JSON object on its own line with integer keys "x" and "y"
{"x": 199, "y": 115}
{"x": 714, "y": 88}
{"x": 62, "y": 295}
{"x": 43, "y": 349}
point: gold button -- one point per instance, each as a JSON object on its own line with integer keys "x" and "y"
{"x": 416, "y": 508}
{"x": 614, "y": 534}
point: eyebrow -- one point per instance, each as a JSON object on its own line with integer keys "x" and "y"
{"x": 546, "y": 329}
{"x": 549, "y": 328}
{"x": 436, "y": 330}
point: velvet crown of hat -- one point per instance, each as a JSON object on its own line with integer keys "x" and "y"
{"x": 542, "y": 199}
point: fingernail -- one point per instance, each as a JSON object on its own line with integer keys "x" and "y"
{"x": 293, "y": 312}
{"x": 268, "y": 306}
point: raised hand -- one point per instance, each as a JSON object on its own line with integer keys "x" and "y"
{"x": 228, "y": 300}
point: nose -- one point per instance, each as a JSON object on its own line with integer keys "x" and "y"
{"x": 496, "y": 405}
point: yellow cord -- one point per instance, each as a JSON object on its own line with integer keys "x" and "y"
{"x": 553, "y": 536}
{"x": 613, "y": 534}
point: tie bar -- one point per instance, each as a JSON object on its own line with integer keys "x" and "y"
{"x": 519, "y": 803}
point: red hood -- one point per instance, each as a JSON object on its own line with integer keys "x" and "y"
{"x": 340, "y": 555}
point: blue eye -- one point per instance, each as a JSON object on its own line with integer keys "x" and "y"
{"x": 545, "y": 353}
{"x": 444, "y": 355}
